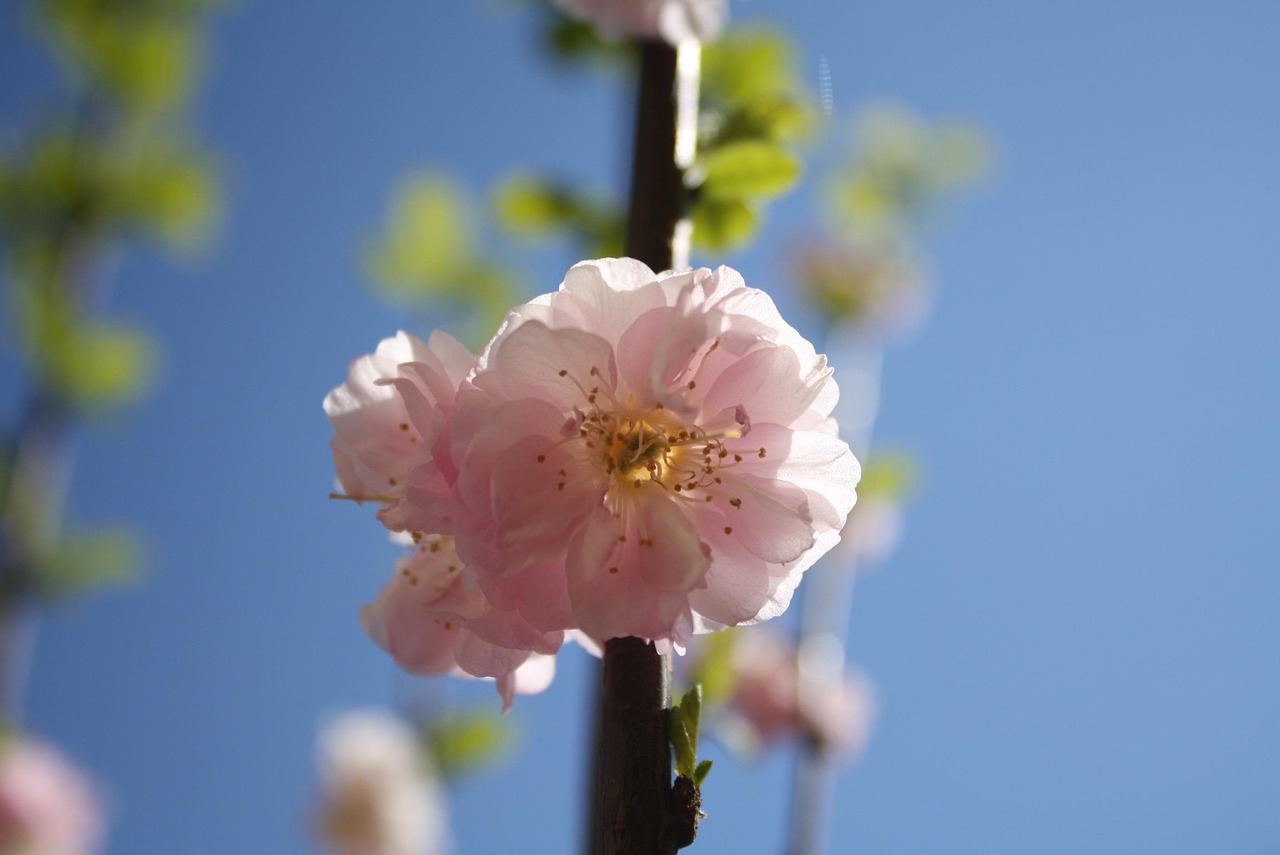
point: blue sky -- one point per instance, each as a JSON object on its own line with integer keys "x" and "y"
{"x": 1076, "y": 645}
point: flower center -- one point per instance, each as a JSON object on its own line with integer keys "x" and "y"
{"x": 636, "y": 447}
{"x": 637, "y": 450}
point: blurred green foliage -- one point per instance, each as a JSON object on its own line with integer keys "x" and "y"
{"x": 714, "y": 669}
{"x": 428, "y": 251}
{"x": 754, "y": 114}
{"x": 889, "y": 474}
{"x": 140, "y": 55}
{"x": 902, "y": 167}
{"x": 867, "y": 268}
{"x": 748, "y": 169}
{"x": 850, "y": 279}
{"x": 112, "y": 165}
{"x": 83, "y": 560}
{"x": 536, "y": 208}
{"x": 462, "y": 743}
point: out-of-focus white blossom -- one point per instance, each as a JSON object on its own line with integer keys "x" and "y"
{"x": 380, "y": 795}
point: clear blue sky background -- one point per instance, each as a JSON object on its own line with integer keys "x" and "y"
{"x": 1077, "y": 645}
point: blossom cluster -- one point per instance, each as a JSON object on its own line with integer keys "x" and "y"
{"x": 636, "y": 454}
{"x": 774, "y": 697}
{"x": 673, "y": 21}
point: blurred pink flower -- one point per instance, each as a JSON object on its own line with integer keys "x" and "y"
{"x": 379, "y": 793}
{"x": 873, "y": 532}
{"x": 433, "y": 619}
{"x": 47, "y": 806}
{"x": 672, "y": 21}
{"x": 873, "y": 286}
{"x": 835, "y": 712}
{"x": 645, "y": 455}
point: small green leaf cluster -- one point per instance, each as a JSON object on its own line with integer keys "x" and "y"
{"x": 753, "y": 115}
{"x": 140, "y": 55}
{"x": 685, "y": 718}
{"x": 902, "y": 168}
{"x": 85, "y": 559}
{"x": 428, "y": 252}
{"x": 867, "y": 269}
{"x": 58, "y": 564}
{"x": 538, "y": 208}
{"x": 891, "y": 475}
{"x": 465, "y": 742}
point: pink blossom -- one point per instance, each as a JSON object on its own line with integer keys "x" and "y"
{"x": 380, "y": 795}
{"x": 645, "y": 455}
{"x": 47, "y": 806}
{"x": 672, "y": 21}
{"x": 390, "y": 412}
{"x": 777, "y": 701}
{"x": 433, "y": 619}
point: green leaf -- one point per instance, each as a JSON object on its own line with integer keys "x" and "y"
{"x": 172, "y": 193}
{"x": 748, "y": 169}
{"x": 143, "y": 54}
{"x": 427, "y": 243}
{"x": 776, "y": 117}
{"x": 716, "y": 674}
{"x": 745, "y": 64}
{"x": 691, "y": 713}
{"x": 720, "y": 225}
{"x": 686, "y": 757}
{"x": 700, "y": 773}
{"x": 101, "y": 364}
{"x": 463, "y": 743}
{"x": 535, "y": 207}
{"x": 84, "y": 560}
{"x": 569, "y": 39}
{"x": 888, "y": 474}
{"x": 528, "y": 206}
